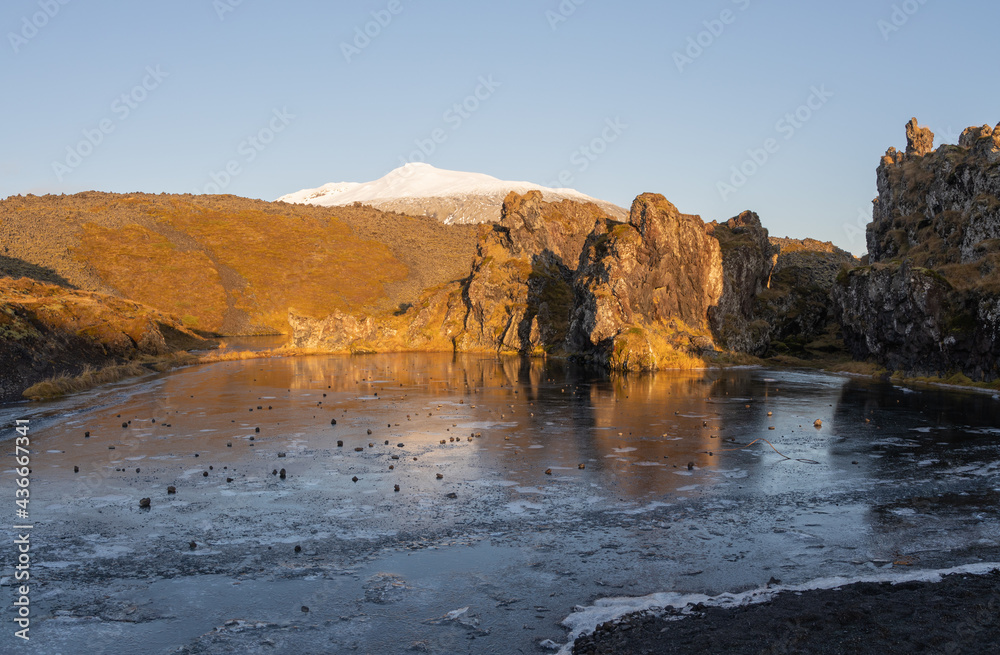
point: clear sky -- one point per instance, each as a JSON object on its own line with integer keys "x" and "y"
{"x": 618, "y": 98}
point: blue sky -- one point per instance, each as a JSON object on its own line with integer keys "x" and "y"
{"x": 269, "y": 90}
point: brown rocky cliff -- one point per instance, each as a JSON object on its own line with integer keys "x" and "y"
{"x": 643, "y": 289}
{"x": 658, "y": 291}
{"x": 519, "y": 294}
{"x": 560, "y": 278}
{"x": 431, "y": 324}
{"x": 516, "y": 299}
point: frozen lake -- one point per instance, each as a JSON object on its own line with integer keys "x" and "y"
{"x": 557, "y": 488}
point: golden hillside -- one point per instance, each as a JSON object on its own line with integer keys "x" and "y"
{"x": 230, "y": 265}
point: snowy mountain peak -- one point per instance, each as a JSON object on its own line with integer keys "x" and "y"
{"x": 424, "y": 190}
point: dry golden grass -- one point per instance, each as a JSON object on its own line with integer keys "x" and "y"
{"x": 241, "y": 355}
{"x": 146, "y": 267}
{"x": 727, "y": 359}
{"x": 314, "y": 264}
{"x": 232, "y": 265}
{"x": 317, "y": 266}
{"x": 953, "y": 380}
{"x": 89, "y": 378}
{"x": 37, "y": 309}
{"x": 858, "y": 368}
{"x": 657, "y": 347}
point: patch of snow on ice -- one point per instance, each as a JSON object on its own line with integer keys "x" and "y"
{"x": 586, "y": 619}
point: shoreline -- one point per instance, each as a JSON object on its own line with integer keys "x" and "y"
{"x": 63, "y": 385}
{"x": 956, "y": 610}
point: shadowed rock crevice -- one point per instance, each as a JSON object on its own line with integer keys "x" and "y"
{"x": 747, "y": 260}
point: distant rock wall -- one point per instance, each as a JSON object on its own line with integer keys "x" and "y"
{"x": 797, "y": 304}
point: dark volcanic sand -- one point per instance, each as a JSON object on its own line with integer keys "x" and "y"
{"x": 960, "y": 614}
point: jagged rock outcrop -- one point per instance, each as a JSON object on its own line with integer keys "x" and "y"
{"x": 919, "y": 140}
{"x": 520, "y": 292}
{"x": 643, "y": 289}
{"x": 928, "y": 302}
{"x": 658, "y": 291}
{"x": 747, "y": 259}
{"x": 940, "y": 207}
{"x": 48, "y": 330}
{"x": 517, "y": 298}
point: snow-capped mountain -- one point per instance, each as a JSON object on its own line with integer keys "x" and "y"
{"x": 423, "y": 190}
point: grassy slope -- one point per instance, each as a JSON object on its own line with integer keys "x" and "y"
{"x": 228, "y": 264}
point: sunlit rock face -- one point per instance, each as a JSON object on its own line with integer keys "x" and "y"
{"x": 517, "y": 297}
{"x": 643, "y": 288}
{"x": 519, "y": 294}
{"x": 432, "y": 324}
{"x": 565, "y": 278}
{"x": 660, "y": 290}
{"x": 926, "y": 303}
